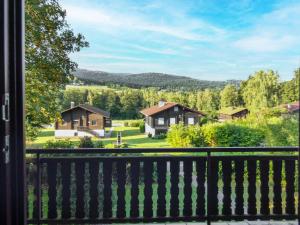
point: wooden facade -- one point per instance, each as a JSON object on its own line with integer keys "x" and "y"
{"x": 83, "y": 116}
{"x": 236, "y": 115}
{"x": 158, "y": 119}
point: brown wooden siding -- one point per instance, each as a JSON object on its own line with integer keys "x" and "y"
{"x": 84, "y": 118}
{"x": 179, "y": 116}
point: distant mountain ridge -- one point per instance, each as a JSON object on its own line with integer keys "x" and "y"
{"x": 159, "y": 80}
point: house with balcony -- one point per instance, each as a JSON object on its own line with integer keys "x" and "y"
{"x": 109, "y": 186}
{"x": 160, "y": 117}
{"x": 82, "y": 120}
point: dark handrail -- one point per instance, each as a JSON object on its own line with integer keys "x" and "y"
{"x": 209, "y": 170}
{"x": 163, "y": 150}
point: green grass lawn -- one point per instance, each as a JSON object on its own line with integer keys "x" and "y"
{"x": 130, "y": 135}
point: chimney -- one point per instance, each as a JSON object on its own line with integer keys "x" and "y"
{"x": 72, "y": 105}
{"x": 161, "y": 103}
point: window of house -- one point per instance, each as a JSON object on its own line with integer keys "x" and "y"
{"x": 176, "y": 109}
{"x": 161, "y": 121}
{"x": 172, "y": 121}
{"x": 191, "y": 121}
{"x": 75, "y": 122}
{"x": 94, "y": 122}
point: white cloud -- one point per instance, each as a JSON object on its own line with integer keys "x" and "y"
{"x": 111, "y": 21}
{"x": 266, "y": 43}
{"x": 275, "y": 31}
{"x": 107, "y": 56}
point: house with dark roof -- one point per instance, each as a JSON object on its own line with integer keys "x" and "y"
{"x": 159, "y": 118}
{"x": 230, "y": 113}
{"x": 82, "y": 120}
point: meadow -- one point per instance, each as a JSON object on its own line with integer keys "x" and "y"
{"x": 130, "y": 135}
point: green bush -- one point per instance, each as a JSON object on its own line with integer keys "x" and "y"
{"x": 63, "y": 143}
{"x": 86, "y": 142}
{"x": 160, "y": 136}
{"x": 142, "y": 127}
{"x": 231, "y": 135}
{"x": 113, "y": 145}
{"x": 178, "y": 136}
{"x": 214, "y": 135}
{"x": 98, "y": 144}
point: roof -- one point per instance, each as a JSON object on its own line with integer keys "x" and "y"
{"x": 292, "y": 107}
{"x": 90, "y": 109}
{"x": 231, "y": 110}
{"x": 156, "y": 109}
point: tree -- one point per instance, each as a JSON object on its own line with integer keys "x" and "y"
{"x": 229, "y": 96}
{"x": 261, "y": 90}
{"x": 48, "y": 42}
{"x": 208, "y": 100}
{"x": 290, "y": 89}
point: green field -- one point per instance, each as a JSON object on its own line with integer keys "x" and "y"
{"x": 130, "y": 135}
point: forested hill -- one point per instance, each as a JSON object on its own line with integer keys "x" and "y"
{"x": 159, "y": 80}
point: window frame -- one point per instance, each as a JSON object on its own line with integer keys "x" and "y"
{"x": 160, "y": 121}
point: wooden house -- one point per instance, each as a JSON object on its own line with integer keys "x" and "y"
{"x": 230, "y": 113}
{"x": 82, "y": 120}
{"x": 159, "y": 118}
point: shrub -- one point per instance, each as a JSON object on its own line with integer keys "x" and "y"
{"x": 160, "y": 136}
{"x": 231, "y": 135}
{"x": 64, "y": 143}
{"x": 86, "y": 142}
{"x": 98, "y": 144}
{"x": 178, "y": 136}
{"x": 142, "y": 127}
{"x": 113, "y": 145}
{"x": 149, "y": 135}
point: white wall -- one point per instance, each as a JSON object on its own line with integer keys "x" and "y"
{"x": 149, "y": 130}
{"x": 71, "y": 133}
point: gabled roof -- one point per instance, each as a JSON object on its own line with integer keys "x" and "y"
{"x": 90, "y": 109}
{"x": 156, "y": 109}
{"x": 231, "y": 110}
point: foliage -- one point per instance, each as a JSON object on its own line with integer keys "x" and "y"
{"x": 280, "y": 131}
{"x": 86, "y": 142}
{"x": 231, "y": 135}
{"x": 160, "y": 136}
{"x": 229, "y": 96}
{"x": 208, "y": 101}
{"x": 63, "y": 143}
{"x": 159, "y": 80}
{"x": 98, "y": 144}
{"x": 112, "y": 145}
{"x": 290, "y": 89}
{"x": 48, "y": 43}
{"x": 133, "y": 123}
{"x": 178, "y": 136}
{"x": 261, "y": 90}
{"x": 142, "y": 127}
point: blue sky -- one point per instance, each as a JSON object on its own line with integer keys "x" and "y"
{"x": 211, "y": 40}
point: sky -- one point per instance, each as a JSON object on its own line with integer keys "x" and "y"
{"x": 208, "y": 40}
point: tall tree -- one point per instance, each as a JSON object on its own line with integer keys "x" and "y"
{"x": 208, "y": 100}
{"x": 229, "y": 96}
{"x": 261, "y": 90}
{"x": 290, "y": 89}
{"x": 48, "y": 42}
